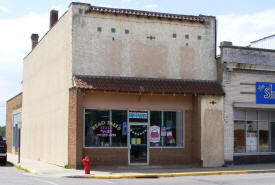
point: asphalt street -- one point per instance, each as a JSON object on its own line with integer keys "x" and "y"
{"x": 10, "y": 175}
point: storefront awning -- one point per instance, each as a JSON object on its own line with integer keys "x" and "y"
{"x": 148, "y": 85}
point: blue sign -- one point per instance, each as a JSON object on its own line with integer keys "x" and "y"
{"x": 265, "y": 93}
{"x": 138, "y": 115}
{"x": 124, "y": 128}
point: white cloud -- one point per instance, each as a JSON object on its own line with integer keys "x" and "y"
{"x": 151, "y": 6}
{"x": 241, "y": 29}
{"x": 4, "y": 9}
{"x": 15, "y": 35}
{"x": 14, "y": 46}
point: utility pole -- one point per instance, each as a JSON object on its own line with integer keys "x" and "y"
{"x": 19, "y": 144}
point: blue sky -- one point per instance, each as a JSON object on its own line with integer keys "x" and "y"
{"x": 240, "y": 21}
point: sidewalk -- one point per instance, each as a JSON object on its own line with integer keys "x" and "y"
{"x": 45, "y": 169}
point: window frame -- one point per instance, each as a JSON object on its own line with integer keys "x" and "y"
{"x": 162, "y": 117}
{"x": 127, "y": 146}
{"x": 258, "y": 136}
{"x": 84, "y": 122}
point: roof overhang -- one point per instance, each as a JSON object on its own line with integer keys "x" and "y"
{"x": 148, "y": 85}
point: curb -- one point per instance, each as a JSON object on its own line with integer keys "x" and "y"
{"x": 158, "y": 175}
{"x": 19, "y": 166}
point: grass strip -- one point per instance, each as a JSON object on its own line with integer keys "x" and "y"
{"x": 24, "y": 169}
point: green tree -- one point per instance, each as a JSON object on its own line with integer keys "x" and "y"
{"x": 3, "y": 131}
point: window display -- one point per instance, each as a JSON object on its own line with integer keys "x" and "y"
{"x": 166, "y": 128}
{"x": 109, "y": 128}
{"x": 253, "y": 131}
{"x": 105, "y": 128}
{"x": 239, "y": 133}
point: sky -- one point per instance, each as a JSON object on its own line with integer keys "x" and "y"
{"x": 239, "y": 21}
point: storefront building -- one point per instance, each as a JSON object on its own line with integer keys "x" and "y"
{"x": 248, "y": 76}
{"x": 124, "y": 87}
{"x": 166, "y": 124}
{"x": 13, "y": 122}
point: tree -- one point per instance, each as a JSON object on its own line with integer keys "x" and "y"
{"x": 3, "y": 131}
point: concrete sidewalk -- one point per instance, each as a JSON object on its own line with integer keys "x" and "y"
{"x": 42, "y": 168}
{"x": 45, "y": 169}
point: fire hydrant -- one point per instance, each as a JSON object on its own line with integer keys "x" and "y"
{"x": 87, "y": 164}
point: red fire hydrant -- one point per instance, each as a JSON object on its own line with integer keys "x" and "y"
{"x": 87, "y": 164}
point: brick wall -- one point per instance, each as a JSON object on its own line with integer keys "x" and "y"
{"x": 107, "y": 156}
{"x": 175, "y": 156}
{"x": 12, "y": 105}
{"x": 75, "y": 128}
{"x": 119, "y": 156}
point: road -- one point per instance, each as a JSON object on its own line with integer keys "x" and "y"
{"x": 9, "y": 175}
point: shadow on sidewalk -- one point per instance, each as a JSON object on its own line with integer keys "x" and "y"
{"x": 7, "y": 165}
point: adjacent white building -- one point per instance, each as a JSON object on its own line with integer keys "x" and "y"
{"x": 266, "y": 42}
{"x": 248, "y": 79}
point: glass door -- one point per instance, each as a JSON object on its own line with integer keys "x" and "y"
{"x": 138, "y": 144}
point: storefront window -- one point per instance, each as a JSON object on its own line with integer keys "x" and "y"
{"x": 16, "y": 122}
{"x": 272, "y": 135}
{"x": 166, "y": 128}
{"x": 251, "y": 136}
{"x": 105, "y": 128}
{"x": 254, "y": 131}
{"x": 239, "y": 133}
{"x": 263, "y": 136}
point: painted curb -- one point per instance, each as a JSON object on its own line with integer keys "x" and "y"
{"x": 30, "y": 171}
{"x": 17, "y": 165}
{"x": 158, "y": 175}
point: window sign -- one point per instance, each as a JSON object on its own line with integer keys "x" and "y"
{"x": 163, "y": 131}
{"x": 138, "y": 141}
{"x": 251, "y": 142}
{"x": 138, "y": 116}
{"x": 265, "y": 93}
{"x": 154, "y": 134}
{"x": 124, "y": 128}
{"x": 105, "y": 128}
{"x": 166, "y": 128}
{"x": 133, "y": 142}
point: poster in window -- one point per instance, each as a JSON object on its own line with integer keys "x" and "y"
{"x": 163, "y": 131}
{"x": 133, "y": 141}
{"x": 251, "y": 142}
{"x": 138, "y": 141}
{"x": 154, "y": 134}
{"x": 124, "y": 128}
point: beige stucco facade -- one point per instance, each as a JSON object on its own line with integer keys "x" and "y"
{"x": 133, "y": 54}
{"x": 46, "y": 79}
{"x": 212, "y": 136}
{"x": 74, "y": 46}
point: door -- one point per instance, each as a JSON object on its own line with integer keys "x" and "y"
{"x": 138, "y": 144}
